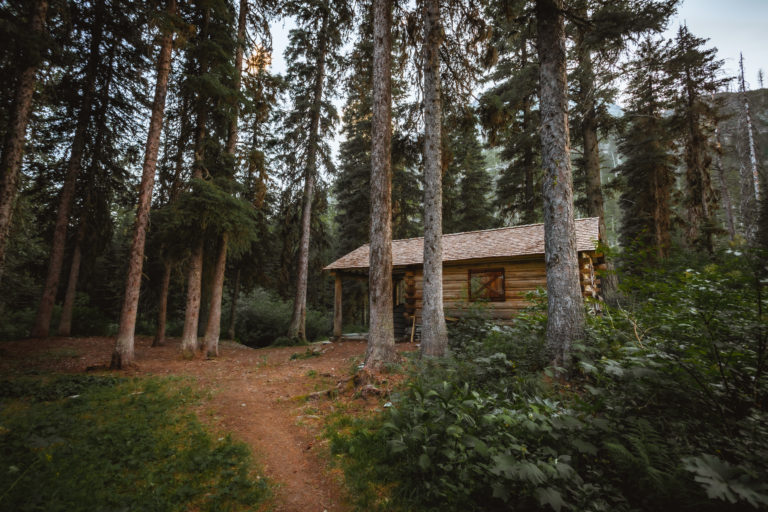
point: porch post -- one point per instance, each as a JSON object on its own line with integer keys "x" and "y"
{"x": 337, "y": 307}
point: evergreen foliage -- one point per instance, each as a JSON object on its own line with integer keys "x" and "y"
{"x": 696, "y": 75}
{"x": 647, "y": 172}
{"x": 509, "y": 112}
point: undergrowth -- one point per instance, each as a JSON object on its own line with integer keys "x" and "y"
{"x": 663, "y": 408}
{"x": 102, "y": 443}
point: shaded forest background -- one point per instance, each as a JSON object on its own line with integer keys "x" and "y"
{"x": 96, "y": 62}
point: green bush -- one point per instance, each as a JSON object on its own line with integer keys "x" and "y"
{"x": 664, "y": 409}
{"x": 262, "y": 318}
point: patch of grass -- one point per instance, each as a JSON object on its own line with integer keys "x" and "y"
{"x": 103, "y": 443}
{"x": 307, "y": 354}
{"x": 312, "y": 373}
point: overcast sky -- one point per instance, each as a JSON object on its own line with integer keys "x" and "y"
{"x": 732, "y": 26}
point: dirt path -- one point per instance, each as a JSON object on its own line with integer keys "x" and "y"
{"x": 260, "y": 396}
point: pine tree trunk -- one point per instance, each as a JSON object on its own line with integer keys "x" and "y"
{"x": 162, "y": 308}
{"x": 189, "y": 340}
{"x": 565, "y": 314}
{"x": 298, "y": 318}
{"x": 213, "y": 324}
{"x": 434, "y": 334}
{"x": 42, "y": 324}
{"x": 10, "y": 165}
{"x": 124, "y": 345}
{"x": 381, "y": 337}
{"x": 65, "y": 322}
{"x": 192, "y": 310}
{"x": 233, "y": 306}
{"x": 750, "y": 179}
{"x": 213, "y": 329}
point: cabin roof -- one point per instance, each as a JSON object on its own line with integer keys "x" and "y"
{"x": 471, "y": 245}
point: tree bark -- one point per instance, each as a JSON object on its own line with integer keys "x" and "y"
{"x": 10, "y": 165}
{"x": 750, "y": 179}
{"x": 65, "y": 322}
{"x": 298, "y": 318}
{"x": 162, "y": 308}
{"x": 233, "y": 306}
{"x": 213, "y": 329}
{"x": 434, "y": 334}
{"x": 565, "y": 318}
{"x": 42, "y": 324}
{"x": 381, "y": 336}
{"x": 192, "y": 309}
{"x": 189, "y": 339}
{"x": 124, "y": 345}
{"x": 213, "y": 324}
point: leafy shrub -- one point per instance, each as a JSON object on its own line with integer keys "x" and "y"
{"x": 664, "y": 409}
{"x": 262, "y": 318}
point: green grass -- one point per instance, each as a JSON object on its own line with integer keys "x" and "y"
{"x": 101, "y": 443}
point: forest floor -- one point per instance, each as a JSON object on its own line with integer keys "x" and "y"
{"x": 273, "y": 399}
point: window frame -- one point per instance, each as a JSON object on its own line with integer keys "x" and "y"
{"x": 498, "y": 298}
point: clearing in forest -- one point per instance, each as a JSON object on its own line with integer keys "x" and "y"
{"x": 271, "y": 398}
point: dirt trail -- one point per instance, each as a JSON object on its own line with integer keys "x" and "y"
{"x": 257, "y": 395}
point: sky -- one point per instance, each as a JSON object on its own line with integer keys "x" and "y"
{"x": 732, "y": 26}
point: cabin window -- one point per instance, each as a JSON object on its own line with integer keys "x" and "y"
{"x": 486, "y": 285}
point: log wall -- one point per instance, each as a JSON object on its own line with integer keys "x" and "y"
{"x": 520, "y": 277}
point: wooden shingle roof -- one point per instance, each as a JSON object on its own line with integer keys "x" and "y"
{"x": 489, "y": 243}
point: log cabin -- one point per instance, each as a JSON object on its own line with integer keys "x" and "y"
{"x": 493, "y": 267}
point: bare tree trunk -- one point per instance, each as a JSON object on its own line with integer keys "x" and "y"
{"x": 192, "y": 310}
{"x": 381, "y": 336}
{"x": 750, "y": 179}
{"x": 10, "y": 165}
{"x": 162, "y": 309}
{"x": 233, "y": 306}
{"x": 213, "y": 324}
{"x": 124, "y": 345}
{"x": 724, "y": 193}
{"x": 565, "y": 318}
{"x": 434, "y": 334}
{"x": 750, "y": 133}
{"x": 189, "y": 340}
{"x": 298, "y": 318}
{"x": 42, "y": 324}
{"x": 213, "y": 329}
{"x": 65, "y": 322}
